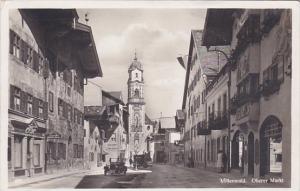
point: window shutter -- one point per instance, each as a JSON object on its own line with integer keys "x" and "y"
{"x": 35, "y": 61}
{"x": 12, "y": 92}
{"x": 11, "y": 41}
{"x": 22, "y": 100}
{"x": 35, "y": 106}
{"x": 65, "y": 114}
{"x": 25, "y": 100}
{"x": 45, "y": 111}
{"x": 23, "y": 51}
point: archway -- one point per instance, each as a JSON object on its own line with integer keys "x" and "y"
{"x": 237, "y": 148}
{"x": 251, "y": 154}
{"x": 271, "y": 146}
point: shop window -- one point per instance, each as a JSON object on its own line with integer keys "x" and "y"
{"x": 256, "y": 152}
{"x": 36, "y": 155}
{"x": 62, "y": 151}
{"x": 50, "y": 101}
{"x": 18, "y": 152}
{"x": 51, "y": 150}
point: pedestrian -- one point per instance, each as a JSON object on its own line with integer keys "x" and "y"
{"x": 28, "y": 163}
{"x": 130, "y": 162}
{"x": 224, "y": 161}
{"x": 219, "y": 161}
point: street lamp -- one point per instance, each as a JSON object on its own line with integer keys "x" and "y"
{"x": 229, "y": 105}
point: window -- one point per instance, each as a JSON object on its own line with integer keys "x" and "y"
{"x": 91, "y": 156}
{"x": 75, "y": 151}
{"x": 60, "y": 107}
{"x": 136, "y": 75}
{"x": 17, "y": 99}
{"x": 29, "y": 104}
{"x": 29, "y": 56}
{"x": 224, "y": 102}
{"x": 62, "y": 151}
{"x": 113, "y": 137}
{"x": 219, "y": 106}
{"x": 136, "y": 93}
{"x": 41, "y": 108}
{"x": 69, "y": 112}
{"x": 51, "y": 101}
{"x": 16, "y": 45}
{"x": 36, "y": 155}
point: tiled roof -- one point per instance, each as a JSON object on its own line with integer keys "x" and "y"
{"x": 116, "y": 94}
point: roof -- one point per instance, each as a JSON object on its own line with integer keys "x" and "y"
{"x": 218, "y": 27}
{"x": 167, "y": 122}
{"x": 135, "y": 64}
{"x": 210, "y": 62}
{"x": 94, "y": 110}
{"x": 180, "y": 114}
{"x": 70, "y": 43}
{"x": 148, "y": 120}
{"x": 116, "y": 94}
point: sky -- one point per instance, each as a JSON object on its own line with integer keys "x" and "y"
{"x": 158, "y": 36}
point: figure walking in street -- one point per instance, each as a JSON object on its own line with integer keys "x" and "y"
{"x": 28, "y": 163}
{"x": 130, "y": 162}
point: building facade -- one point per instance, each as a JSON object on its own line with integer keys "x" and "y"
{"x": 200, "y": 101}
{"x": 139, "y": 131}
{"x": 260, "y": 103}
{"x": 111, "y": 119}
{"x": 46, "y": 101}
{"x": 93, "y": 145}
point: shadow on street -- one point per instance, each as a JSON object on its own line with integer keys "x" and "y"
{"x": 111, "y": 181}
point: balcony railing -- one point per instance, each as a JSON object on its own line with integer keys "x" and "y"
{"x": 270, "y": 86}
{"x": 240, "y": 99}
{"x": 202, "y": 128}
{"x": 218, "y": 122}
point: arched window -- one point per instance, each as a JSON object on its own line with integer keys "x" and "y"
{"x": 136, "y": 93}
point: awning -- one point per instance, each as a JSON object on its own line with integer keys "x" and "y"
{"x": 29, "y": 126}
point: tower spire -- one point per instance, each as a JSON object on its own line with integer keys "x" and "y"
{"x": 135, "y": 56}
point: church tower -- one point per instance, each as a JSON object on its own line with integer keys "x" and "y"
{"x": 136, "y": 109}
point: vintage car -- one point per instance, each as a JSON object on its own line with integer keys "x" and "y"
{"x": 115, "y": 167}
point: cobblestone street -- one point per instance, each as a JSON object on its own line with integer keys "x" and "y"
{"x": 160, "y": 176}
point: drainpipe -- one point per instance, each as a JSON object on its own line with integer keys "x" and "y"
{"x": 228, "y": 116}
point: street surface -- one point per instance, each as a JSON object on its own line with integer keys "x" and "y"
{"x": 162, "y": 176}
